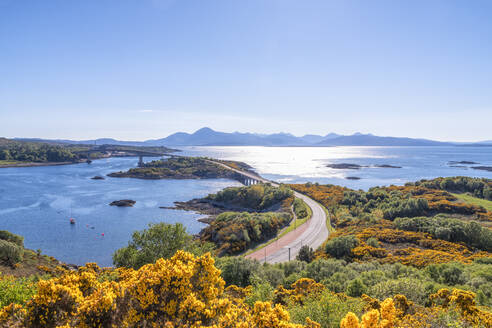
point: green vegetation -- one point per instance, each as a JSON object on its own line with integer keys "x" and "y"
{"x": 372, "y": 278}
{"x": 20, "y": 151}
{"x": 12, "y": 237}
{"x": 467, "y": 198}
{"x": 302, "y": 211}
{"x": 10, "y": 253}
{"x": 411, "y": 224}
{"x": 16, "y": 290}
{"x": 13, "y": 152}
{"x": 11, "y": 248}
{"x": 258, "y": 197}
{"x": 445, "y": 228}
{"x": 478, "y": 187}
{"x": 234, "y": 232}
{"x": 160, "y": 240}
{"x": 178, "y": 168}
{"x": 326, "y": 308}
{"x": 341, "y": 247}
{"x": 305, "y": 254}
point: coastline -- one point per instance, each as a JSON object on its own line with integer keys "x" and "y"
{"x": 33, "y": 164}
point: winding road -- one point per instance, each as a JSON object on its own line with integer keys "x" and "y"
{"x": 313, "y": 233}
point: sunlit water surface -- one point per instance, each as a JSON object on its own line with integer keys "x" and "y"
{"x": 36, "y": 202}
{"x": 303, "y": 164}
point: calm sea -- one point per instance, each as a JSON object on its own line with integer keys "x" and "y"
{"x": 36, "y": 202}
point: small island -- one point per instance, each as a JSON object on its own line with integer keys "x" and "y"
{"x": 183, "y": 168}
{"x": 387, "y": 166}
{"x": 342, "y": 166}
{"x": 462, "y": 162}
{"x": 351, "y": 166}
{"x": 123, "y": 203}
{"x": 97, "y": 177}
{"x": 483, "y": 168}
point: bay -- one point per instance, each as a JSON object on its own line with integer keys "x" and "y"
{"x": 36, "y": 202}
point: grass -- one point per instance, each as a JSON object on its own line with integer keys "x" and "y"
{"x": 5, "y": 162}
{"x": 294, "y": 224}
{"x": 487, "y": 204}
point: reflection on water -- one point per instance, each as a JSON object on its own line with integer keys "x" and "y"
{"x": 303, "y": 164}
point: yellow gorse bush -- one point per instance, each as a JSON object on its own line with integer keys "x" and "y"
{"x": 399, "y": 312}
{"x": 184, "y": 291}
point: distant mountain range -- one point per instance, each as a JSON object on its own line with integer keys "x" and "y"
{"x": 209, "y": 137}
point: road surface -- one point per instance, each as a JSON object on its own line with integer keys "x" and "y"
{"x": 313, "y": 233}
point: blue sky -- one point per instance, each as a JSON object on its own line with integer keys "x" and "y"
{"x": 140, "y": 69}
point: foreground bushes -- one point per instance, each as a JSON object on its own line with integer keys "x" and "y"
{"x": 16, "y": 290}
{"x": 454, "y": 308}
{"x": 189, "y": 291}
{"x": 184, "y": 291}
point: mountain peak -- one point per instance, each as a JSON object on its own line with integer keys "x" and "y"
{"x": 204, "y": 130}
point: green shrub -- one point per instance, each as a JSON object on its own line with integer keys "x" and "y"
{"x": 291, "y": 267}
{"x": 271, "y": 274}
{"x": 10, "y": 253}
{"x": 262, "y": 291}
{"x": 322, "y": 269}
{"x": 413, "y": 289}
{"x": 12, "y": 237}
{"x": 326, "y": 309}
{"x": 341, "y": 247}
{"x": 237, "y": 270}
{"x": 372, "y": 242}
{"x": 16, "y": 291}
{"x": 356, "y": 288}
{"x": 301, "y": 209}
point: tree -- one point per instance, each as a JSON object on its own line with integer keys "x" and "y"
{"x": 306, "y": 254}
{"x": 5, "y": 155}
{"x": 160, "y": 240}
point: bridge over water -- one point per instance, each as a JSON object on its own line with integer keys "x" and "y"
{"x": 141, "y": 153}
